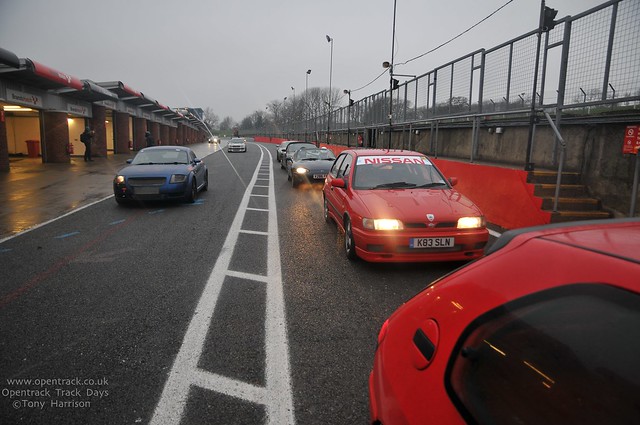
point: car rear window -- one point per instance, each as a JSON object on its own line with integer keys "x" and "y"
{"x": 564, "y": 356}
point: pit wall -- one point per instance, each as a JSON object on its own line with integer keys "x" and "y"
{"x": 509, "y": 204}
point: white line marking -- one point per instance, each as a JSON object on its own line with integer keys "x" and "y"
{"x": 247, "y": 276}
{"x": 222, "y": 384}
{"x": 254, "y": 232}
{"x": 494, "y": 233}
{"x": 276, "y": 396}
{"x": 54, "y": 219}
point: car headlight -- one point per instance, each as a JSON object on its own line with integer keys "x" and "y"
{"x": 471, "y": 222}
{"x": 178, "y": 178}
{"x": 119, "y": 180}
{"x": 382, "y": 224}
{"x": 301, "y": 170}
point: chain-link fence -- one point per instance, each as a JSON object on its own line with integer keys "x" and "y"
{"x": 589, "y": 65}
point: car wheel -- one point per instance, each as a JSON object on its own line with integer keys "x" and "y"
{"x": 206, "y": 182}
{"x": 349, "y": 243}
{"x": 121, "y": 201}
{"x": 294, "y": 182}
{"x": 325, "y": 211}
{"x": 288, "y": 175}
{"x": 193, "y": 193}
{"x": 281, "y": 165}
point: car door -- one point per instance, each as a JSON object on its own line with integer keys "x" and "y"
{"x": 337, "y": 196}
{"x": 198, "y": 168}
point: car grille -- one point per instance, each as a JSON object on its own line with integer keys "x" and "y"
{"x": 146, "y": 181}
{"x": 441, "y": 225}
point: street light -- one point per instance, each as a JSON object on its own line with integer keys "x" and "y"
{"x": 390, "y": 66}
{"x": 330, "y": 40}
{"x": 348, "y": 92}
{"x": 306, "y": 101}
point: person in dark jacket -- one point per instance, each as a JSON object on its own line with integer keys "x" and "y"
{"x": 87, "y": 139}
{"x": 149, "y": 139}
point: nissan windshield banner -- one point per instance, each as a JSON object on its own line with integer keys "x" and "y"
{"x": 400, "y": 159}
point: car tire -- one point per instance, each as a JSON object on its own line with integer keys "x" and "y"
{"x": 206, "y": 182}
{"x": 121, "y": 201}
{"x": 349, "y": 243}
{"x": 193, "y": 193}
{"x": 325, "y": 211}
{"x": 294, "y": 182}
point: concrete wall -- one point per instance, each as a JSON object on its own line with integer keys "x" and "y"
{"x": 593, "y": 150}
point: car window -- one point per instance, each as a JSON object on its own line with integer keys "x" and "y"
{"x": 161, "y": 156}
{"x": 568, "y": 355}
{"x": 383, "y": 172}
{"x": 345, "y": 167}
{"x": 293, "y": 147}
{"x": 336, "y": 165}
{"x": 313, "y": 154}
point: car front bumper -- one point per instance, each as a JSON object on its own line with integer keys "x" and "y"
{"x": 378, "y": 246}
{"x": 151, "y": 193}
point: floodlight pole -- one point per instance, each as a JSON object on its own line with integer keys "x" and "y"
{"x": 393, "y": 40}
{"x": 330, "y": 40}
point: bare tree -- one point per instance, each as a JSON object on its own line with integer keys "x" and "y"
{"x": 211, "y": 119}
{"x": 227, "y": 124}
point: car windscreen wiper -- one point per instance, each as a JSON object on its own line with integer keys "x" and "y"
{"x": 394, "y": 185}
{"x": 422, "y": 186}
{"x": 145, "y": 163}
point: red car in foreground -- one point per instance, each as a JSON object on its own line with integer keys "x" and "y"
{"x": 395, "y": 205}
{"x": 543, "y": 330}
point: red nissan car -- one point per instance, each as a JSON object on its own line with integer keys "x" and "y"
{"x": 395, "y": 205}
{"x": 545, "y": 329}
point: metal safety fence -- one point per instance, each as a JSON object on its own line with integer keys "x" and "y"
{"x": 588, "y": 65}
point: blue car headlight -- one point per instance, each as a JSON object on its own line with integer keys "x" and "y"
{"x": 301, "y": 170}
{"x": 178, "y": 178}
{"x": 119, "y": 180}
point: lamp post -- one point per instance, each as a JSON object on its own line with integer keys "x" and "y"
{"x": 391, "y": 79}
{"x": 306, "y": 104}
{"x": 348, "y": 92}
{"x": 329, "y": 40}
{"x": 285, "y": 116}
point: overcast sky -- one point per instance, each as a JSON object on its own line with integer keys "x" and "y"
{"x": 236, "y": 56}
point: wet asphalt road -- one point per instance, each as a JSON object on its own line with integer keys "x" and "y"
{"x": 95, "y": 307}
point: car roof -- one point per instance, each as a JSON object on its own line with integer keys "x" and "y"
{"x": 614, "y": 237}
{"x": 295, "y": 142}
{"x": 168, "y": 147}
{"x": 383, "y": 152}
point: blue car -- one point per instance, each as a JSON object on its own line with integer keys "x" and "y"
{"x": 161, "y": 173}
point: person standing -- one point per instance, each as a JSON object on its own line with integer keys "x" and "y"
{"x": 149, "y": 139}
{"x": 87, "y": 139}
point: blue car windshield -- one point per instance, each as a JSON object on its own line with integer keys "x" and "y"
{"x": 160, "y": 156}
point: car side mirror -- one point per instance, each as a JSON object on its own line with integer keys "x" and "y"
{"x": 129, "y": 161}
{"x": 338, "y": 183}
{"x": 197, "y": 160}
{"x": 453, "y": 181}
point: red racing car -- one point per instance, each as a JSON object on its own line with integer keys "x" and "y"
{"x": 542, "y": 330}
{"x": 395, "y": 205}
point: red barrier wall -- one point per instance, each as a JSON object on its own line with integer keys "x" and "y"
{"x": 274, "y": 140}
{"x": 503, "y": 194}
